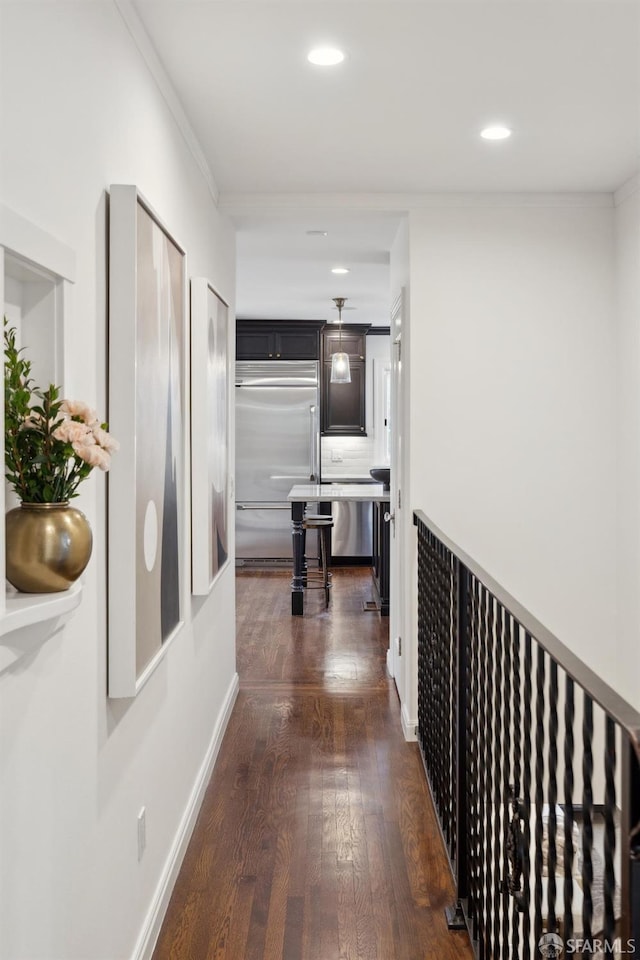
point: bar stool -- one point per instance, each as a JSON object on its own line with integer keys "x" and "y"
{"x": 321, "y": 578}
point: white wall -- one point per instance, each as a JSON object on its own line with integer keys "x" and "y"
{"x": 80, "y": 111}
{"x": 402, "y": 659}
{"x": 627, "y": 237}
{"x": 513, "y": 404}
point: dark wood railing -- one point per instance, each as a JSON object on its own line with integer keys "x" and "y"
{"x": 533, "y": 762}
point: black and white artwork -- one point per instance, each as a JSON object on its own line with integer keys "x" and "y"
{"x": 209, "y": 435}
{"x": 147, "y": 374}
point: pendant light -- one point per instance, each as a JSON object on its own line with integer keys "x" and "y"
{"x": 340, "y": 369}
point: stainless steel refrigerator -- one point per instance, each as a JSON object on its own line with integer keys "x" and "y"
{"x": 277, "y": 445}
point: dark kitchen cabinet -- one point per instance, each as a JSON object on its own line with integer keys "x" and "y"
{"x": 343, "y": 405}
{"x": 277, "y": 340}
{"x": 381, "y": 554}
{"x": 353, "y": 342}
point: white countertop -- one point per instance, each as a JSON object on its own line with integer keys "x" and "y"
{"x": 347, "y": 478}
{"x": 323, "y": 493}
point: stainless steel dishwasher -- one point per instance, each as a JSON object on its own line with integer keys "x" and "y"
{"x": 351, "y": 537}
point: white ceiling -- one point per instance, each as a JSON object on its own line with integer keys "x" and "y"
{"x": 402, "y": 114}
{"x": 282, "y": 272}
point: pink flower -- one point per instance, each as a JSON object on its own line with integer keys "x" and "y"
{"x": 105, "y": 440}
{"x": 71, "y": 431}
{"x": 77, "y": 408}
{"x": 92, "y": 454}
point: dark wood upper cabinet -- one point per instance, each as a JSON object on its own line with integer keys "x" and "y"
{"x": 278, "y": 340}
{"x": 253, "y": 344}
{"x": 343, "y": 405}
{"x": 353, "y": 342}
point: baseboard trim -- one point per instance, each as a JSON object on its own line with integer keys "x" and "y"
{"x": 408, "y": 725}
{"x": 153, "y": 921}
{"x": 390, "y": 662}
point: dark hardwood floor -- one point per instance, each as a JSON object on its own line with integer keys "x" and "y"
{"x": 317, "y": 839}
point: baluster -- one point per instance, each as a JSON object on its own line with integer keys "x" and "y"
{"x": 444, "y": 704}
{"x": 428, "y": 674}
{"x": 439, "y": 674}
{"x": 456, "y": 759}
{"x": 478, "y": 760}
{"x": 433, "y": 667}
{"x": 428, "y": 644}
{"x": 506, "y": 639}
{"x": 517, "y": 769}
{"x": 609, "y": 830}
{"x": 587, "y": 817}
{"x": 472, "y": 754}
{"x": 553, "y": 796}
{"x": 568, "y": 809}
{"x": 422, "y": 615}
{"x": 420, "y": 629}
{"x": 630, "y": 837}
{"x": 498, "y": 775}
{"x": 484, "y": 770}
{"x": 491, "y": 772}
{"x": 539, "y": 792}
{"x": 526, "y": 793}
{"x": 447, "y": 699}
{"x": 438, "y": 667}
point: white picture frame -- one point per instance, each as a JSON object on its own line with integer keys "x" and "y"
{"x": 210, "y": 418}
{"x": 148, "y": 373}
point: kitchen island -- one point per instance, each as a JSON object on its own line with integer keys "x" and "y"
{"x": 299, "y": 496}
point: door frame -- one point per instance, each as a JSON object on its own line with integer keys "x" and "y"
{"x": 397, "y": 627}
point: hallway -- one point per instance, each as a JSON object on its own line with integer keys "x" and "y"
{"x": 316, "y": 839}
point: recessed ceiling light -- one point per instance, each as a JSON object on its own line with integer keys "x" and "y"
{"x": 317, "y": 233}
{"x": 339, "y": 270}
{"x": 495, "y": 132}
{"x": 325, "y": 56}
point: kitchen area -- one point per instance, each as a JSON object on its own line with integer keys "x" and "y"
{"x": 295, "y": 425}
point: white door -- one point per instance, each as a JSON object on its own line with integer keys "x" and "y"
{"x": 397, "y": 572}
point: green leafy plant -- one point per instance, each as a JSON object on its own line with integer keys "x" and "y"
{"x": 51, "y": 445}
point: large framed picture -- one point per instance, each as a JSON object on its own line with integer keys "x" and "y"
{"x": 209, "y": 435}
{"x": 148, "y": 366}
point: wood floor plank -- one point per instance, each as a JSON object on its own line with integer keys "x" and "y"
{"x": 312, "y": 926}
{"x": 328, "y": 906}
{"x": 316, "y": 839}
{"x": 292, "y": 947}
{"x": 347, "y": 926}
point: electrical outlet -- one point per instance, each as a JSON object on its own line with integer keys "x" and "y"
{"x": 336, "y": 456}
{"x": 142, "y": 832}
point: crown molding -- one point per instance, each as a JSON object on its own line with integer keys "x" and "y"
{"x": 627, "y": 190}
{"x": 288, "y": 203}
{"x": 399, "y": 203}
{"x": 143, "y": 42}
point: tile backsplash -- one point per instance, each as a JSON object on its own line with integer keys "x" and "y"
{"x": 348, "y": 456}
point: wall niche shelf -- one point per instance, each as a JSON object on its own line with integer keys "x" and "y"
{"x": 37, "y": 272}
{"x": 25, "y": 609}
{"x": 31, "y": 618}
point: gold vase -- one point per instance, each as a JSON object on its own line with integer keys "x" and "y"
{"x": 48, "y": 545}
